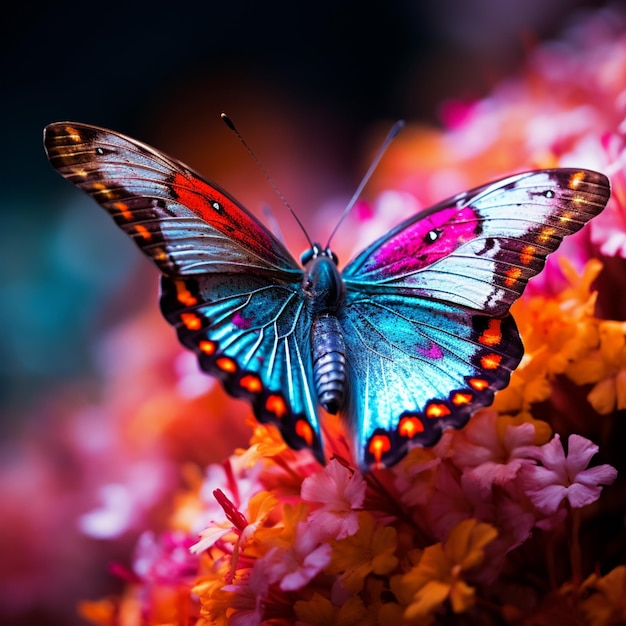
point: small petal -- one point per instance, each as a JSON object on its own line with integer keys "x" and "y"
{"x": 579, "y": 452}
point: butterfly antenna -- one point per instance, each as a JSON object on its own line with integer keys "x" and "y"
{"x": 232, "y": 127}
{"x": 391, "y": 135}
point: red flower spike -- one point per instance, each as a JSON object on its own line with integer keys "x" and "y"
{"x": 124, "y": 573}
{"x": 234, "y": 516}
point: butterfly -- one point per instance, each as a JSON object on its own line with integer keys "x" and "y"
{"x": 407, "y": 341}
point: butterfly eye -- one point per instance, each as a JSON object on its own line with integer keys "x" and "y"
{"x": 432, "y": 235}
{"x": 307, "y": 255}
{"x": 216, "y": 205}
{"x": 332, "y": 255}
{"x": 549, "y": 193}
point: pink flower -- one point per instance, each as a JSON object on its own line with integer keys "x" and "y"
{"x": 415, "y": 477}
{"x": 609, "y": 232}
{"x": 296, "y": 566}
{"x": 451, "y": 502}
{"x": 560, "y": 477}
{"x": 165, "y": 559}
{"x": 489, "y": 455}
{"x": 245, "y": 598}
{"x": 341, "y": 492}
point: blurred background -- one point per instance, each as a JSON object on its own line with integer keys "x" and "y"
{"x": 99, "y": 407}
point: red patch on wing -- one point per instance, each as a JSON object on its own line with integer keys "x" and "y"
{"x": 435, "y": 410}
{"x": 218, "y": 210}
{"x": 410, "y": 426}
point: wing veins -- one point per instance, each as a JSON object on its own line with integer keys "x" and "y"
{"x": 423, "y": 361}
{"x": 418, "y": 329}
{"x": 305, "y": 380}
{"x": 245, "y": 332}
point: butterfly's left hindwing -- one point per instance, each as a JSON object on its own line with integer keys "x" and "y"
{"x": 255, "y": 338}
{"x": 230, "y": 287}
{"x": 420, "y": 367}
{"x": 427, "y": 330}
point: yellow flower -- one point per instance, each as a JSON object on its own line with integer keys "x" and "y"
{"x": 365, "y": 609}
{"x": 605, "y": 365}
{"x": 214, "y": 601}
{"x": 607, "y": 604}
{"x": 543, "y": 431}
{"x": 556, "y": 332}
{"x": 266, "y": 442}
{"x": 370, "y": 550}
{"x": 319, "y": 611}
{"x": 438, "y": 576}
{"x": 282, "y": 534}
{"x": 529, "y": 385}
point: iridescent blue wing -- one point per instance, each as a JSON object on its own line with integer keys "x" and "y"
{"x": 255, "y": 337}
{"x": 427, "y": 331}
{"x": 230, "y": 288}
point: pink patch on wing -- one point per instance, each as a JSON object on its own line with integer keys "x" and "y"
{"x": 241, "y": 322}
{"x": 432, "y": 351}
{"x": 411, "y": 249}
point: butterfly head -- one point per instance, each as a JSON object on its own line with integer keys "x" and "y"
{"x": 322, "y": 283}
{"x": 317, "y": 251}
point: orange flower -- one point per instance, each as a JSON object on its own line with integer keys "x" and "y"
{"x": 370, "y": 550}
{"x": 319, "y": 611}
{"x": 607, "y": 603}
{"x": 605, "y": 365}
{"x": 556, "y": 331}
{"x": 438, "y": 576}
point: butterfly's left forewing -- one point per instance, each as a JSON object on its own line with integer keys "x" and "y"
{"x": 427, "y": 330}
{"x": 184, "y": 223}
{"x": 230, "y": 287}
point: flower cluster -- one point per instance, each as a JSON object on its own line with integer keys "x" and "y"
{"x": 500, "y": 522}
{"x": 282, "y": 540}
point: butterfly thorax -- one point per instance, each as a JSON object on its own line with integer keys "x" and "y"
{"x": 322, "y": 284}
{"x": 324, "y": 293}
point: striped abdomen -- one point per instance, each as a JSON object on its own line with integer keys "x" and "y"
{"x": 329, "y": 362}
